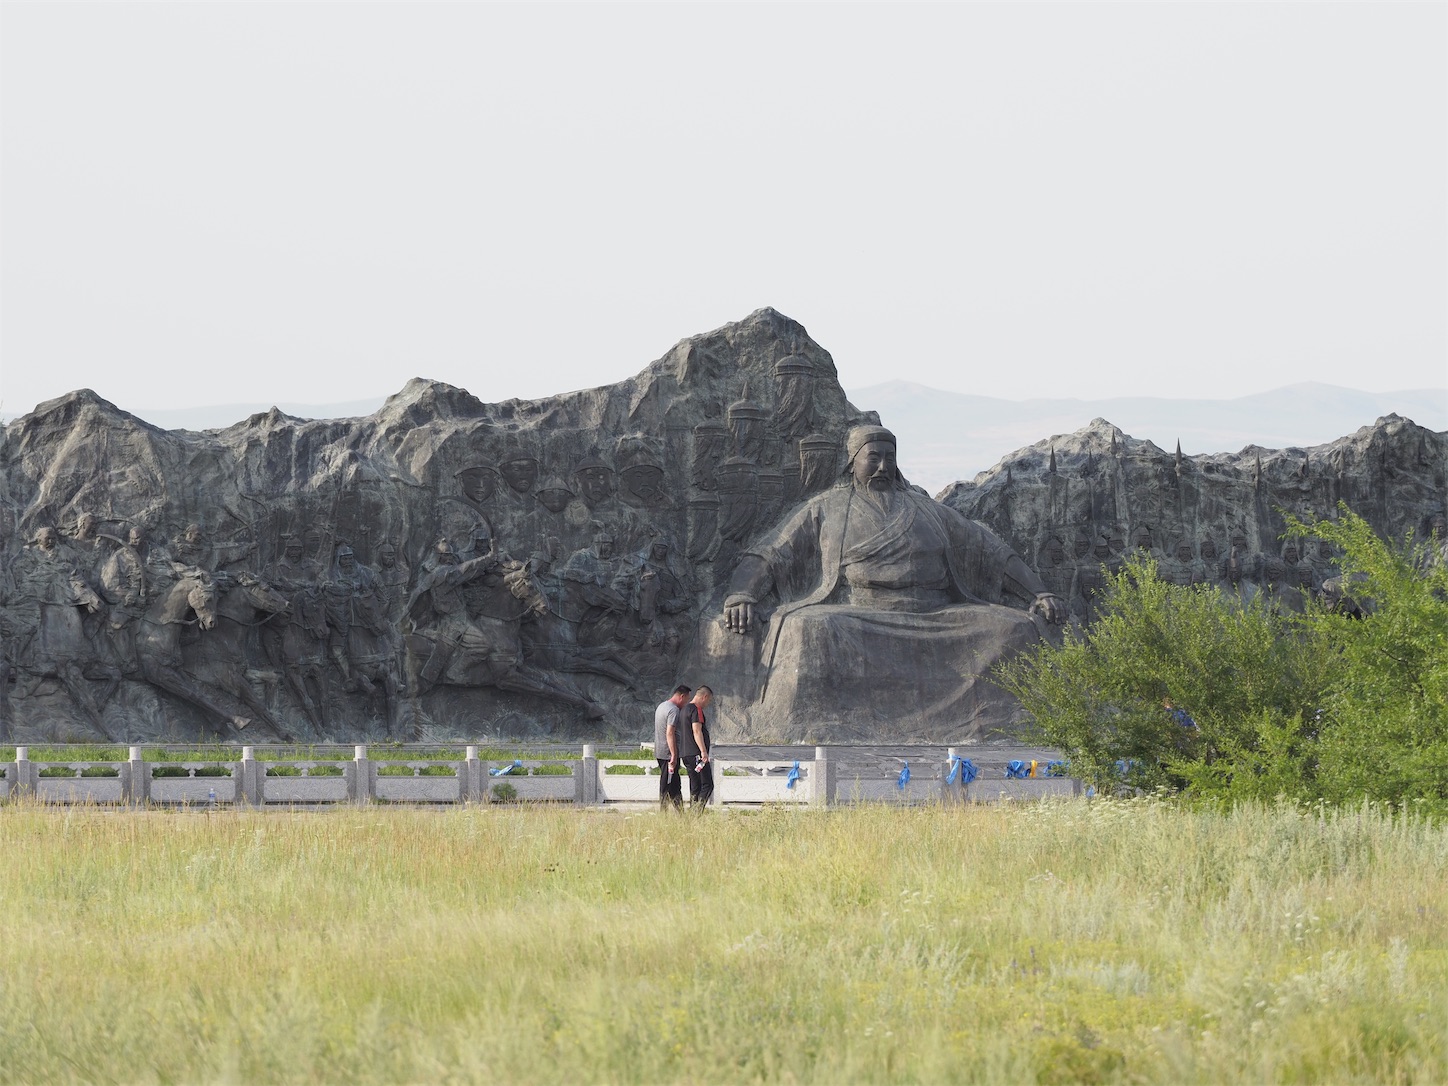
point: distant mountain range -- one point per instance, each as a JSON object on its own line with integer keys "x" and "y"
{"x": 947, "y": 436}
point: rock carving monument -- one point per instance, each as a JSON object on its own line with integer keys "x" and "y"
{"x": 887, "y": 615}
{"x": 451, "y": 568}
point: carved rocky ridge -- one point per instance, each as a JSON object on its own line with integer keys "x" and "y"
{"x": 285, "y": 577}
{"x": 675, "y": 466}
{"x": 1073, "y": 502}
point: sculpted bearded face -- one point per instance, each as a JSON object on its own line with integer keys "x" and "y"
{"x": 1184, "y": 551}
{"x": 1209, "y": 549}
{"x": 85, "y": 526}
{"x": 387, "y": 556}
{"x": 46, "y": 539}
{"x": 193, "y": 533}
{"x": 293, "y": 549}
{"x": 874, "y": 465}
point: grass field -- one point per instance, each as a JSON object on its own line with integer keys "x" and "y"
{"x": 1073, "y": 942}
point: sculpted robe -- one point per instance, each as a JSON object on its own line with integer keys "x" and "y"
{"x": 887, "y": 625}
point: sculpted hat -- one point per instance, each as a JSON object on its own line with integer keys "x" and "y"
{"x": 793, "y": 364}
{"x": 861, "y": 436}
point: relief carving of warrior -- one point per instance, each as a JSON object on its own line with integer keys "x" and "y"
{"x": 794, "y": 381}
{"x": 711, "y": 448}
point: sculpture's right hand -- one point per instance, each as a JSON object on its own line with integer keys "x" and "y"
{"x": 738, "y": 617}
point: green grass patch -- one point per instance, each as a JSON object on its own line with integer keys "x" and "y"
{"x": 1110, "y": 941}
{"x": 311, "y": 771}
{"x": 88, "y": 771}
{"x": 416, "y": 771}
{"x": 167, "y": 772}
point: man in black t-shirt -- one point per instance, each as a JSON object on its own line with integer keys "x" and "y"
{"x": 695, "y": 748}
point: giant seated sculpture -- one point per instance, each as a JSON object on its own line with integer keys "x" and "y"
{"x": 872, "y": 614}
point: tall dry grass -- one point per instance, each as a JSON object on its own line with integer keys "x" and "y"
{"x": 1092, "y": 942}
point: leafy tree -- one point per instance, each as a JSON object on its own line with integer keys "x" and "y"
{"x": 1385, "y": 728}
{"x": 1311, "y": 705}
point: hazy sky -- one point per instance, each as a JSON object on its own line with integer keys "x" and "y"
{"x": 217, "y": 203}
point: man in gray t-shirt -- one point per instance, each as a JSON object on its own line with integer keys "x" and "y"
{"x": 666, "y": 748}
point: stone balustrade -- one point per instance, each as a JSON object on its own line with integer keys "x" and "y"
{"x": 740, "y": 781}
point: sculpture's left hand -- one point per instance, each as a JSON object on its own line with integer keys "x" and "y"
{"x": 1051, "y": 607}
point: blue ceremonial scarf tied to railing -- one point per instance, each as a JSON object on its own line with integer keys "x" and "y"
{"x": 790, "y": 781}
{"x": 1018, "y": 770}
{"x": 904, "y": 777}
{"x": 963, "y": 766}
{"x": 504, "y": 770}
{"x": 1182, "y": 717}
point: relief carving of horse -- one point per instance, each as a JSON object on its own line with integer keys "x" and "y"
{"x": 223, "y": 656}
{"x": 485, "y": 647}
{"x": 189, "y": 601}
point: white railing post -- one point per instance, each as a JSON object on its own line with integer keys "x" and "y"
{"x": 472, "y": 785}
{"x": 23, "y": 779}
{"x": 362, "y": 786}
{"x": 822, "y": 779}
{"x": 948, "y": 788}
{"x": 136, "y": 787}
{"x": 585, "y": 779}
{"x": 250, "y": 781}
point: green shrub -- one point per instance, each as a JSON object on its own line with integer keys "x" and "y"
{"x": 503, "y": 792}
{"x": 1317, "y": 705}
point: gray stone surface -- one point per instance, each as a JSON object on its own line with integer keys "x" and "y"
{"x": 1077, "y": 503}
{"x": 446, "y": 567}
{"x": 282, "y": 577}
{"x": 871, "y": 613}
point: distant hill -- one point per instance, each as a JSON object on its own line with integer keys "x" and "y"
{"x": 948, "y": 436}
